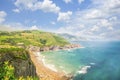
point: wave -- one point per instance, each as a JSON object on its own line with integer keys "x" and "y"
{"x": 83, "y": 70}
{"x": 61, "y": 67}
{"x": 50, "y": 66}
{"x": 42, "y": 58}
{"x": 92, "y": 63}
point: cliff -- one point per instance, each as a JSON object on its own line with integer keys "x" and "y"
{"x": 20, "y": 60}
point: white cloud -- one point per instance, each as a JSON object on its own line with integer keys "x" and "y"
{"x": 53, "y": 22}
{"x": 94, "y": 14}
{"x": 106, "y": 23}
{"x": 114, "y": 35}
{"x": 80, "y": 1}
{"x": 34, "y": 27}
{"x": 2, "y": 16}
{"x": 67, "y": 1}
{"x": 102, "y": 16}
{"x": 46, "y": 5}
{"x": 114, "y": 18}
{"x": 107, "y": 4}
{"x": 16, "y": 10}
{"x": 102, "y": 34}
{"x": 95, "y": 28}
{"x": 110, "y": 28}
{"x": 25, "y": 4}
{"x": 71, "y": 29}
{"x": 112, "y": 4}
{"x": 63, "y": 16}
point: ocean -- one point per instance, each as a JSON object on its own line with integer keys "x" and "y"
{"x": 98, "y": 60}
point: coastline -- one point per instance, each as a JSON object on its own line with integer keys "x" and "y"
{"x": 46, "y": 71}
{"x": 57, "y": 48}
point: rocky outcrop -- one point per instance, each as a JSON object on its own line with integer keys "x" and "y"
{"x": 53, "y": 48}
{"x": 33, "y": 48}
{"x": 71, "y": 46}
{"x": 56, "y": 48}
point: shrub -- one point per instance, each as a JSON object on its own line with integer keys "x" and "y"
{"x": 6, "y": 71}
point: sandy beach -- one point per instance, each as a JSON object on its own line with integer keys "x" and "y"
{"x": 46, "y": 71}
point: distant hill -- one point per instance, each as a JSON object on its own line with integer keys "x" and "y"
{"x": 70, "y": 37}
{"x": 30, "y": 37}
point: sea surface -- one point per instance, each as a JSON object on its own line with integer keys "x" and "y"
{"x": 98, "y": 60}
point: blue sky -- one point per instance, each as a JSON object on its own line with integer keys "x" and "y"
{"x": 92, "y": 19}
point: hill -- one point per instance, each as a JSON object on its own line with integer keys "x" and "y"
{"x": 72, "y": 38}
{"x": 30, "y": 37}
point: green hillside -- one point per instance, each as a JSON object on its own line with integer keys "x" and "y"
{"x": 30, "y": 37}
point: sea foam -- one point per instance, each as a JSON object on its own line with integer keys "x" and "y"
{"x": 83, "y": 70}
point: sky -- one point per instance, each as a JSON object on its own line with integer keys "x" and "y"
{"x": 91, "y": 19}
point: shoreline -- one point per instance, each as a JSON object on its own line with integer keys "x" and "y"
{"x": 57, "y": 48}
{"x": 42, "y": 58}
{"x": 46, "y": 71}
{"x": 50, "y": 66}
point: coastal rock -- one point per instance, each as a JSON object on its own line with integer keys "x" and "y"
{"x": 71, "y": 46}
{"x": 44, "y": 49}
{"x": 33, "y": 48}
{"x": 54, "y": 48}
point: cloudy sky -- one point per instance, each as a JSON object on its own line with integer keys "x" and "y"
{"x": 92, "y": 19}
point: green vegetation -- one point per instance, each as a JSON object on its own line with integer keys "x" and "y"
{"x": 17, "y": 53}
{"x": 43, "y": 41}
{"x": 7, "y": 73}
{"x": 10, "y": 58}
{"x": 30, "y": 37}
{"x": 15, "y": 63}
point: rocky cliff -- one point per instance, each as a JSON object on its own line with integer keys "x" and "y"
{"x": 20, "y": 60}
{"x": 56, "y": 48}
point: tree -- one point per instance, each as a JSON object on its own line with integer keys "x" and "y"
{"x": 43, "y": 41}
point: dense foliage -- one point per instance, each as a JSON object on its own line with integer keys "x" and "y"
{"x": 15, "y": 52}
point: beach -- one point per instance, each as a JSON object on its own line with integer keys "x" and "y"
{"x": 46, "y": 71}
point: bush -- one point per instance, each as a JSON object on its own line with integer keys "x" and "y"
{"x": 7, "y": 73}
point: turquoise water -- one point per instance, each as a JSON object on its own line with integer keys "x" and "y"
{"x": 103, "y": 57}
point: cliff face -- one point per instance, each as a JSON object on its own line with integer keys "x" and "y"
{"x": 20, "y": 61}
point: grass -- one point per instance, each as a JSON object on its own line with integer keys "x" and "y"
{"x": 31, "y": 37}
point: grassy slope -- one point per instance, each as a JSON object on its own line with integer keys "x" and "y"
{"x": 11, "y": 39}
